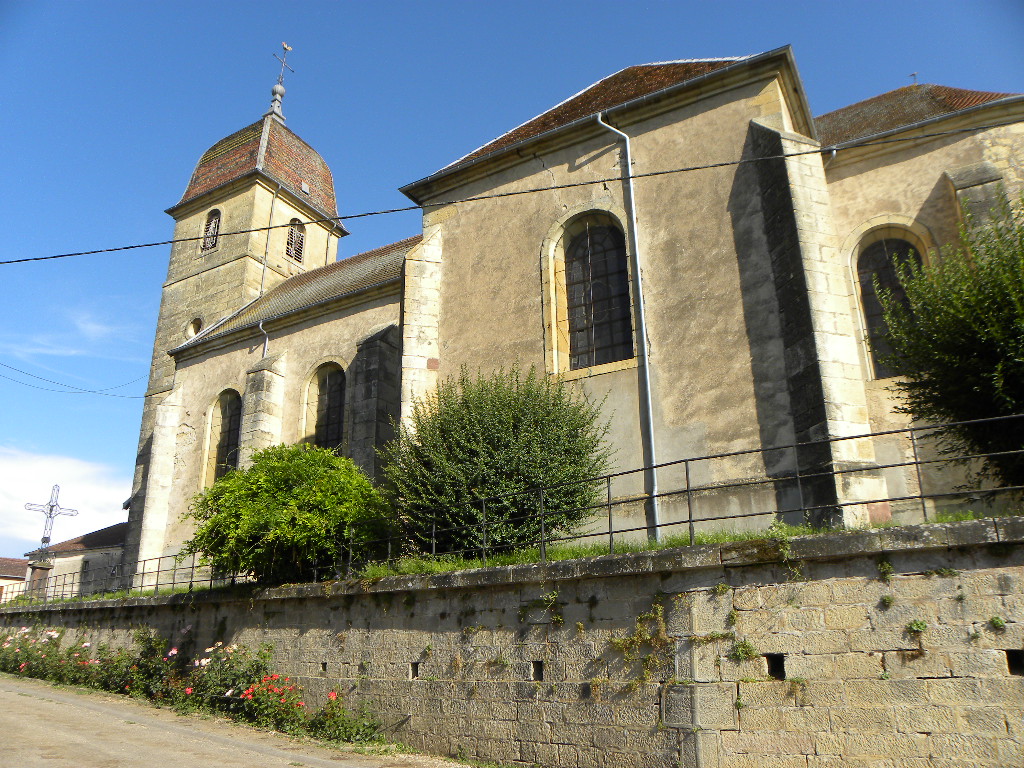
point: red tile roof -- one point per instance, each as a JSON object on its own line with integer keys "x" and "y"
{"x": 269, "y": 146}
{"x": 104, "y": 538}
{"x": 11, "y": 567}
{"x": 625, "y": 85}
{"x": 896, "y": 109}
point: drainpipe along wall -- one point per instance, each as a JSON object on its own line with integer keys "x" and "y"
{"x": 643, "y": 348}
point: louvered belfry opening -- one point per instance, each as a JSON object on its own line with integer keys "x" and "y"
{"x": 296, "y": 240}
{"x": 211, "y": 231}
{"x": 597, "y": 296}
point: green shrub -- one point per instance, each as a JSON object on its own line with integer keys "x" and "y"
{"x": 958, "y": 342}
{"x": 499, "y": 439}
{"x": 335, "y": 723}
{"x": 292, "y": 512}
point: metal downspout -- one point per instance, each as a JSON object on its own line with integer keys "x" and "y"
{"x": 647, "y": 426}
{"x": 266, "y": 248}
{"x": 266, "y": 340}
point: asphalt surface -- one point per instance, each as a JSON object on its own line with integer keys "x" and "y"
{"x": 46, "y": 726}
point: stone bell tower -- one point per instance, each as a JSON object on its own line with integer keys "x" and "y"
{"x": 258, "y": 209}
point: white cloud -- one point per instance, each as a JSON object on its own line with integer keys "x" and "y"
{"x": 93, "y": 329}
{"x": 96, "y": 490}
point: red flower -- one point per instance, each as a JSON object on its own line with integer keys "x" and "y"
{"x": 333, "y": 696}
{"x": 188, "y": 691}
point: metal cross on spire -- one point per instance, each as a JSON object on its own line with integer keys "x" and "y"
{"x": 284, "y": 63}
{"x": 51, "y": 509}
{"x": 277, "y": 91}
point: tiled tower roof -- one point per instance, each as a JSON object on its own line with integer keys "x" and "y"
{"x": 270, "y": 147}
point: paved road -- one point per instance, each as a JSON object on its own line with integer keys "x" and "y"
{"x": 44, "y": 726}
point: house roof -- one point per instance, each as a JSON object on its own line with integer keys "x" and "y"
{"x": 270, "y": 147}
{"x": 623, "y": 86}
{"x": 104, "y": 538}
{"x": 317, "y": 286}
{"x": 13, "y": 567}
{"x": 897, "y": 109}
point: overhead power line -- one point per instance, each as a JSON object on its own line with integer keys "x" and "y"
{"x": 497, "y": 195}
{"x": 69, "y": 389}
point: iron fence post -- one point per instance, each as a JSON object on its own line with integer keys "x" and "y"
{"x": 917, "y": 469}
{"x": 689, "y": 504}
{"x": 433, "y": 533}
{"x": 156, "y": 584}
{"x": 483, "y": 513}
{"x": 348, "y": 569}
{"x": 543, "y": 534}
{"x": 611, "y": 527}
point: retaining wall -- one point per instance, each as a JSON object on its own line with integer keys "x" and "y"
{"x": 761, "y": 654}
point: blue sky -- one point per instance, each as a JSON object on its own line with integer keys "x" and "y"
{"x": 107, "y": 106}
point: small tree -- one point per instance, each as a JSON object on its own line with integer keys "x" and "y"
{"x": 959, "y": 340}
{"x": 471, "y": 461}
{"x": 295, "y": 509}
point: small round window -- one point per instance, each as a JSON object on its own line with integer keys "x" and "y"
{"x": 193, "y": 327}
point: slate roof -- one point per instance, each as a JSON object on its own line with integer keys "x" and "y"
{"x": 111, "y": 536}
{"x": 13, "y": 567}
{"x": 317, "y": 286}
{"x": 268, "y": 146}
{"x": 896, "y": 109}
{"x": 623, "y": 86}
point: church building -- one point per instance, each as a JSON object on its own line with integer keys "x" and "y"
{"x": 681, "y": 241}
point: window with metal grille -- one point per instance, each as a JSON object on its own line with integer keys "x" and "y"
{"x": 229, "y": 433}
{"x": 597, "y": 296}
{"x": 296, "y": 240}
{"x": 330, "y": 407}
{"x": 876, "y": 261}
{"x": 211, "y": 231}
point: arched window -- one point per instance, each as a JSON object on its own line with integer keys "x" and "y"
{"x": 875, "y": 261}
{"x": 212, "y": 230}
{"x": 597, "y": 296}
{"x": 225, "y": 435}
{"x": 326, "y": 406}
{"x": 296, "y": 240}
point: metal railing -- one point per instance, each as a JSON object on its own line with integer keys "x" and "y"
{"x": 825, "y": 484}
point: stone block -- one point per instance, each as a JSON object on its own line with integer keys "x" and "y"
{"x": 767, "y": 743}
{"x": 701, "y": 705}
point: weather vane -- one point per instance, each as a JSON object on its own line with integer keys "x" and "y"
{"x": 912, "y": 74}
{"x": 284, "y": 63}
{"x": 51, "y": 509}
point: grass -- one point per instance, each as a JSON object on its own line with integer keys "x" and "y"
{"x": 425, "y": 564}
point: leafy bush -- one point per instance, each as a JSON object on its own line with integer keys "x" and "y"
{"x": 228, "y": 679}
{"x": 335, "y": 723}
{"x": 293, "y": 511}
{"x": 495, "y": 439}
{"x": 959, "y": 341}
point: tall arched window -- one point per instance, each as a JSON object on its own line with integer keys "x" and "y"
{"x": 211, "y": 231}
{"x": 296, "y": 240}
{"x": 875, "y": 261}
{"x": 225, "y": 435}
{"x": 600, "y": 325}
{"x": 326, "y": 406}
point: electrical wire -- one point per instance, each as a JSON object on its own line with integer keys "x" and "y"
{"x": 69, "y": 388}
{"x": 532, "y": 190}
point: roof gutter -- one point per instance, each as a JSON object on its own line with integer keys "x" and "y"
{"x": 646, "y": 407}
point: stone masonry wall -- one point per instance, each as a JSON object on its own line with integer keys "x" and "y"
{"x": 769, "y": 654}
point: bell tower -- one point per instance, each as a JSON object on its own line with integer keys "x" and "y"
{"x": 259, "y": 208}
